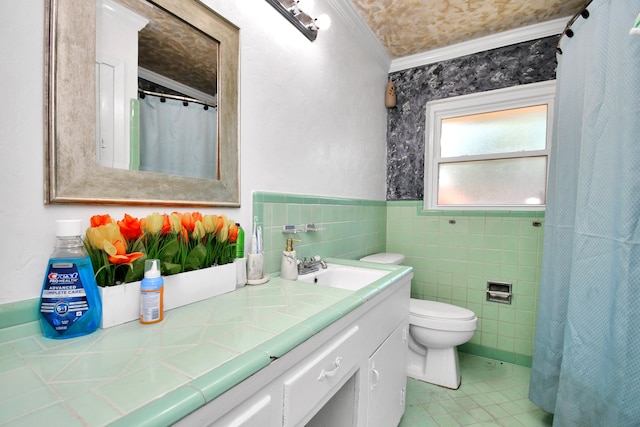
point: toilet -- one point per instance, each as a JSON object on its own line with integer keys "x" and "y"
{"x": 435, "y": 329}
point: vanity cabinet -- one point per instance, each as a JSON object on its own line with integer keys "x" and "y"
{"x": 351, "y": 373}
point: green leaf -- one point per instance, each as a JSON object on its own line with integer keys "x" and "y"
{"x": 136, "y": 271}
{"x": 195, "y": 258}
{"x": 169, "y": 268}
{"x": 138, "y": 246}
{"x": 169, "y": 250}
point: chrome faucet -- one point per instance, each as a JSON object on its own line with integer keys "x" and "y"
{"x": 311, "y": 265}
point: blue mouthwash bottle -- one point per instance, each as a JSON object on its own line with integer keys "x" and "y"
{"x": 70, "y": 304}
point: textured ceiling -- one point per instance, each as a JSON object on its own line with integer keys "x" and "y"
{"x": 174, "y": 49}
{"x": 407, "y": 27}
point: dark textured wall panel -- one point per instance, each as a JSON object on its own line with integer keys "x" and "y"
{"x": 522, "y": 63}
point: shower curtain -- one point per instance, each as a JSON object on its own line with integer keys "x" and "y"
{"x": 178, "y": 139}
{"x": 586, "y": 362}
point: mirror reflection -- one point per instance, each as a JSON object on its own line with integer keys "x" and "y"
{"x": 156, "y": 92}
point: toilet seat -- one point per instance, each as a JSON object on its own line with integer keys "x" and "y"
{"x": 441, "y": 316}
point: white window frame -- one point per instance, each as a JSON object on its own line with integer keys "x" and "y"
{"x": 477, "y": 103}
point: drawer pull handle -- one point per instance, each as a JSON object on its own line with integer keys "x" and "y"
{"x": 332, "y": 372}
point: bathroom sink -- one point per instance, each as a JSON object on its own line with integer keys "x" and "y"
{"x": 343, "y": 276}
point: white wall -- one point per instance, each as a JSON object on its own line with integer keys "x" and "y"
{"x": 312, "y": 121}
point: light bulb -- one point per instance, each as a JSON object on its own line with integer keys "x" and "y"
{"x": 323, "y": 21}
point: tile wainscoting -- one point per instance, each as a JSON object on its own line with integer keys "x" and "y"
{"x": 452, "y": 262}
{"x": 455, "y": 253}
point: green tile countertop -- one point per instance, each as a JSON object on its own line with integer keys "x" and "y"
{"x": 135, "y": 374}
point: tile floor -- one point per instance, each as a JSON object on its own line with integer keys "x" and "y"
{"x": 492, "y": 393}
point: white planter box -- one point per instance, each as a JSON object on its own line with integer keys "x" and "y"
{"x": 121, "y": 303}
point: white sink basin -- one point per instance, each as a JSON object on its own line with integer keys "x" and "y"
{"x": 343, "y": 276}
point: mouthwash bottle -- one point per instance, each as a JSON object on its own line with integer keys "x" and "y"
{"x": 70, "y": 304}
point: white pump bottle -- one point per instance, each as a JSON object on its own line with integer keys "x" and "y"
{"x": 289, "y": 266}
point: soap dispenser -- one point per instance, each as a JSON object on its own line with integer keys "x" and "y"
{"x": 289, "y": 266}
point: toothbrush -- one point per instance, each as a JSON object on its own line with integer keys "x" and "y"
{"x": 259, "y": 239}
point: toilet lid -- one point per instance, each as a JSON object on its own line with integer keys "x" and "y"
{"x": 384, "y": 258}
{"x": 439, "y": 310}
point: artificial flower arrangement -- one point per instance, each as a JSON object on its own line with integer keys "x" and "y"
{"x": 181, "y": 241}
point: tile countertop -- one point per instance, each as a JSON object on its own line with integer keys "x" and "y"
{"x": 136, "y": 374}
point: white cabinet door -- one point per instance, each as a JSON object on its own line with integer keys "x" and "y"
{"x": 388, "y": 380}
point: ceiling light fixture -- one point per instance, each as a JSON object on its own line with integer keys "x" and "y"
{"x": 292, "y": 10}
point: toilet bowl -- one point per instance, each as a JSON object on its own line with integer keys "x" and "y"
{"x": 435, "y": 329}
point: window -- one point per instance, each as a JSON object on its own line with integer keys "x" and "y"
{"x": 489, "y": 150}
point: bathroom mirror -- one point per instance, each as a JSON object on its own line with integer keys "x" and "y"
{"x": 72, "y": 174}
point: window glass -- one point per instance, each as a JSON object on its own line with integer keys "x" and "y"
{"x": 503, "y": 131}
{"x": 519, "y": 181}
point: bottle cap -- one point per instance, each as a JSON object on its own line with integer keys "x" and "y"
{"x": 68, "y": 227}
{"x": 151, "y": 268}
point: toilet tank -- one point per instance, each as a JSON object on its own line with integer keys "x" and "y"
{"x": 384, "y": 258}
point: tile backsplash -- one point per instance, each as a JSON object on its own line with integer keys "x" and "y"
{"x": 352, "y": 228}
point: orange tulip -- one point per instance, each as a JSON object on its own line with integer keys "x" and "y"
{"x": 130, "y": 227}
{"x": 121, "y": 256}
{"x": 98, "y": 220}
{"x": 189, "y": 219}
{"x": 167, "y": 225}
{"x": 233, "y": 232}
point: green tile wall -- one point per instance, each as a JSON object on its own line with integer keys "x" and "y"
{"x": 452, "y": 263}
{"x": 353, "y": 227}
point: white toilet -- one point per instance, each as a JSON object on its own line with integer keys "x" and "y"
{"x": 435, "y": 329}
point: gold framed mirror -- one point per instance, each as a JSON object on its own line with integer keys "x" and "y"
{"x": 72, "y": 174}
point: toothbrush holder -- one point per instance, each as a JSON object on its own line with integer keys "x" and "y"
{"x": 255, "y": 266}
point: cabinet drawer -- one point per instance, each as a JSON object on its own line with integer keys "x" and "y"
{"x": 311, "y": 386}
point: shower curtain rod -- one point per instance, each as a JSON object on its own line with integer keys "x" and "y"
{"x": 567, "y": 29}
{"x": 178, "y": 97}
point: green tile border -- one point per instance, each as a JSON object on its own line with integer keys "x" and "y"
{"x": 486, "y": 213}
{"x": 166, "y": 410}
{"x": 230, "y": 374}
{"x": 493, "y": 353}
{"x": 18, "y": 312}
{"x": 303, "y": 199}
{"x": 283, "y": 343}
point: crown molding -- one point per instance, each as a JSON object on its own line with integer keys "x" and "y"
{"x": 351, "y": 17}
{"x": 506, "y": 38}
